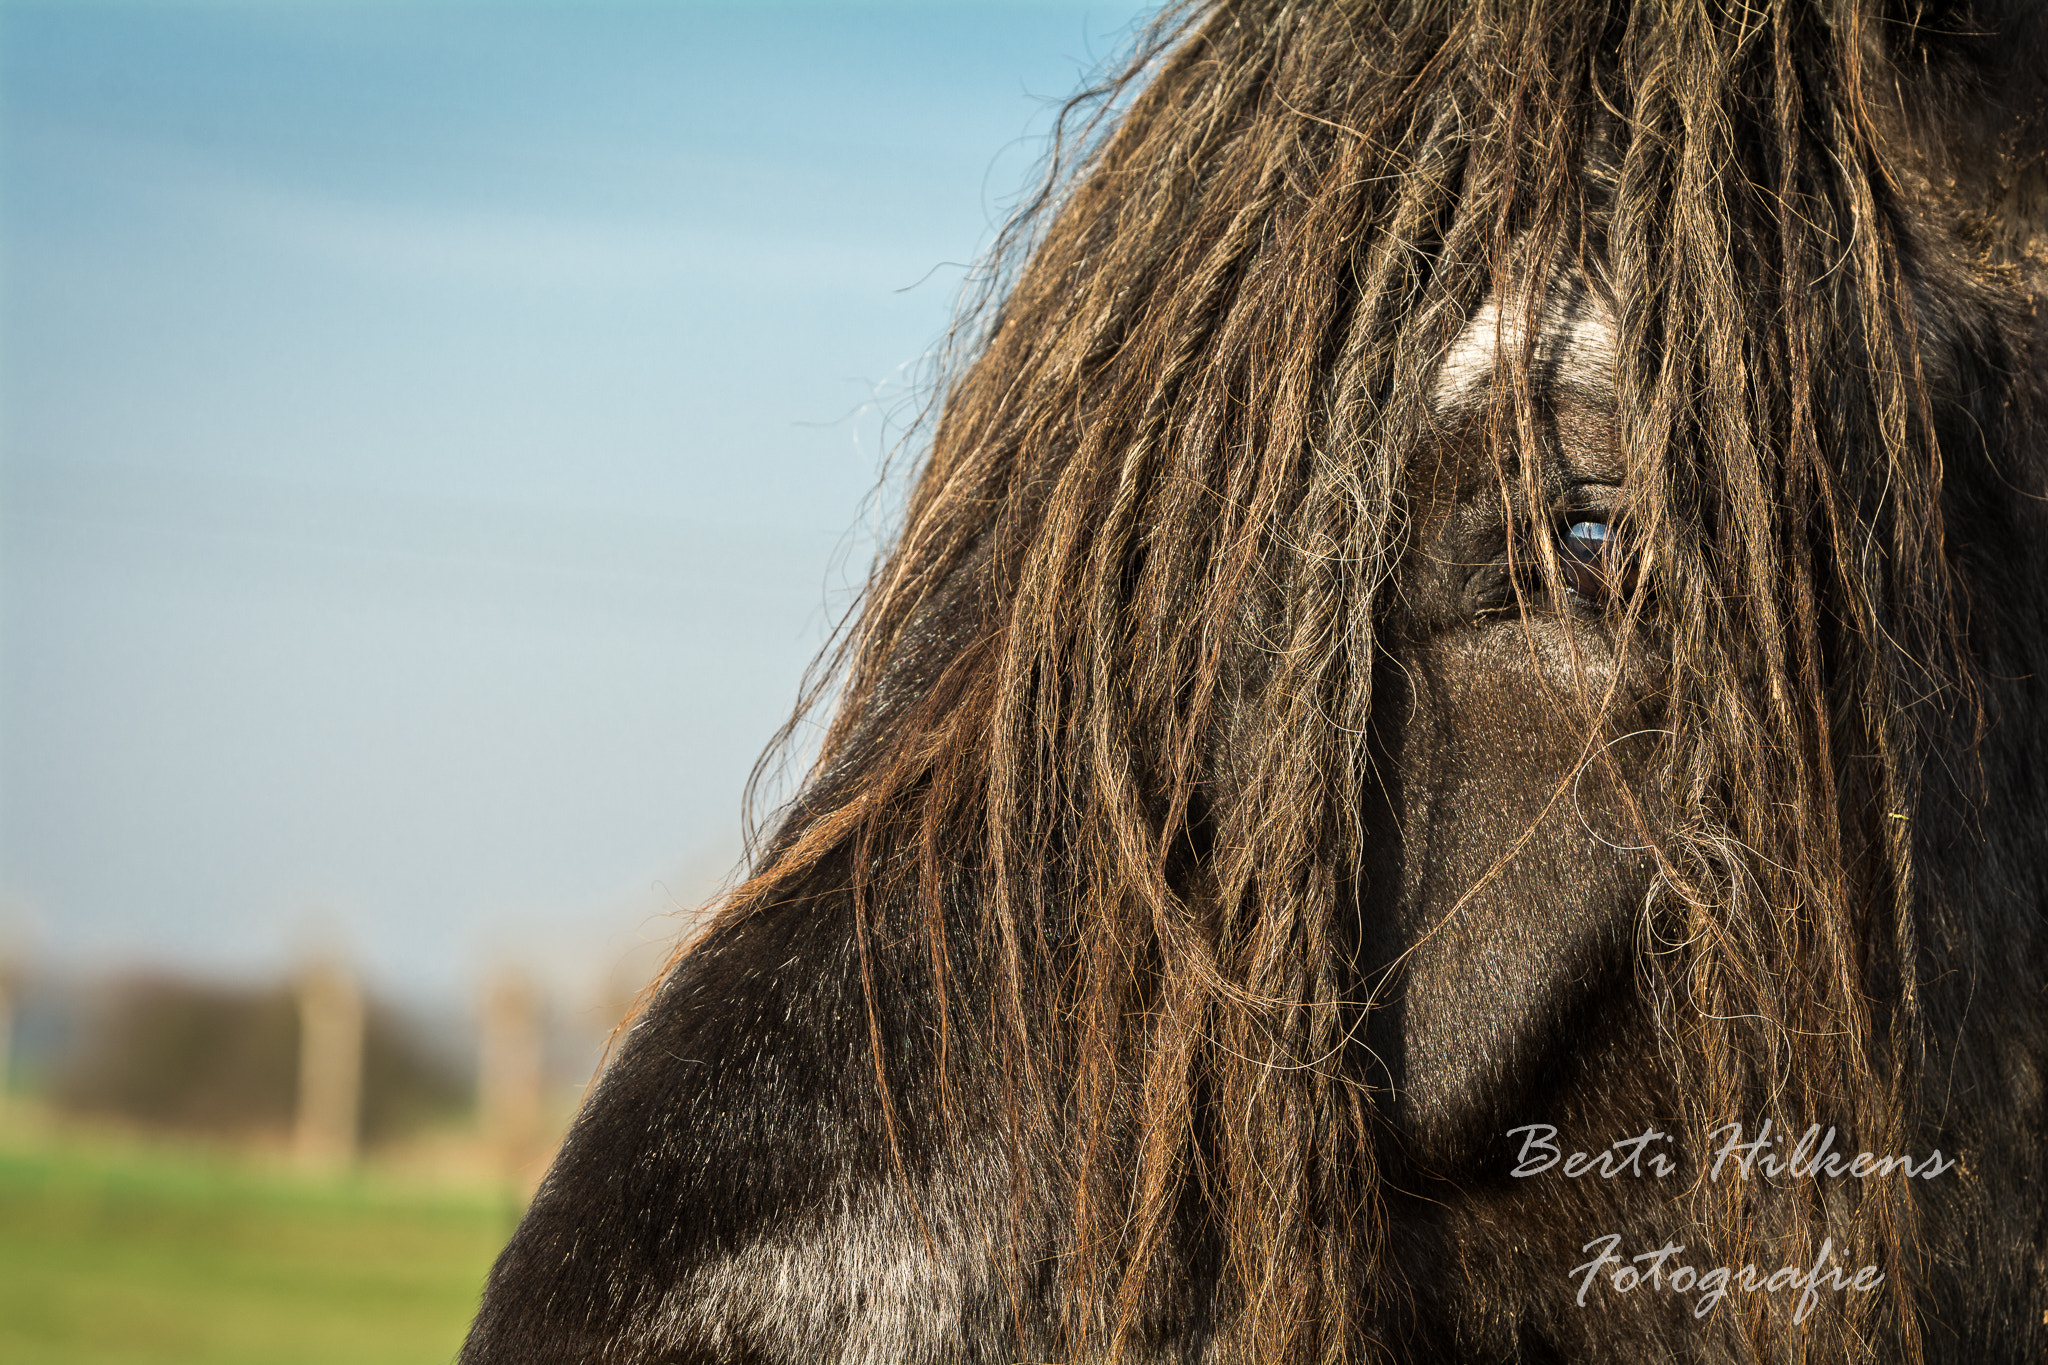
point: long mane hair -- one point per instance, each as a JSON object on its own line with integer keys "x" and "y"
{"x": 1103, "y": 738}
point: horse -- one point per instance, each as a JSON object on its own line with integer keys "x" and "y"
{"x": 1450, "y": 762}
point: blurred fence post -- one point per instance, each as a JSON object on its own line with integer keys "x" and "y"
{"x": 6, "y": 1038}
{"x": 330, "y": 1066}
{"x": 509, "y": 1073}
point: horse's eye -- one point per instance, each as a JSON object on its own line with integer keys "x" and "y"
{"x": 1592, "y": 560}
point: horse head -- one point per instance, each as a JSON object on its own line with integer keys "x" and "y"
{"x": 1449, "y": 763}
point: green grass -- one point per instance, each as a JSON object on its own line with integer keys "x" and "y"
{"x": 121, "y": 1255}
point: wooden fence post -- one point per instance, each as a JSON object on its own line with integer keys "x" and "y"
{"x": 330, "y": 1067}
{"x": 6, "y": 1040}
{"x": 509, "y": 1074}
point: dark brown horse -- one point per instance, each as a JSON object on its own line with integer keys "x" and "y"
{"x": 1451, "y": 763}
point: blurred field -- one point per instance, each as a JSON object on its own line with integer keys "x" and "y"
{"x": 117, "y": 1253}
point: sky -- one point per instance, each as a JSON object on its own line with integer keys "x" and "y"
{"x": 434, "y": 439}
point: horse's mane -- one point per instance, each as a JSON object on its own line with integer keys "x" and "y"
{"x": 1103, "y": 728}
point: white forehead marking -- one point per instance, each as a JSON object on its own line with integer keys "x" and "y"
{"x": 1576, "y": 345}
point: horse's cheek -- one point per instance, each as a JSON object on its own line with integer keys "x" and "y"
{"x": 1503, "y": 883}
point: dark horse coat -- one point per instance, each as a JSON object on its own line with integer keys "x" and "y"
{"x": 1451, "y": 763}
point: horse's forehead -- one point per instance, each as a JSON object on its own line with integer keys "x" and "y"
{"x": 1573, "y": 346}
{"x": 1571, "y": 352}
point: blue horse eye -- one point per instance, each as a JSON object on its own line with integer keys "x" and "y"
{"x": 1589, "y": 561}
{"x": 1588, "y": 539}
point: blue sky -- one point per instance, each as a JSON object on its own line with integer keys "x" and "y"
{"x": 434, "y": 438}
